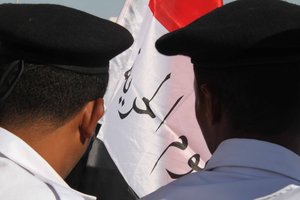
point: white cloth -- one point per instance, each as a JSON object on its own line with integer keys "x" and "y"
{"x": 24, "y": 174}
{"x": 290, "y": 192}
{"x": 239, "y": 169}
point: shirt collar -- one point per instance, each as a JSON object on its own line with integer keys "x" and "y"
{"x": 22, "y": 154}
{"x": 256, "y": 154}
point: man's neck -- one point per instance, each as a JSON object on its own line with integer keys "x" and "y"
{"x": 289, "y": 139}
{"x": 51, "y": 143}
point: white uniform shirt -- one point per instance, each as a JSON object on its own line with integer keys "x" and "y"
{"x": 240, "y": 169}
{"x": 24, "y": 174}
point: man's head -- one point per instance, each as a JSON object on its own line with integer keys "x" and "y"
{"x": 246, "y": 63}
{"x": 49, "y": 94}
{"x": 54, "y": 73}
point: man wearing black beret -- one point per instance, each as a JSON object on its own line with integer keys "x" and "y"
{"x": 246, "y": 58}
{"x": 53, "y": 75}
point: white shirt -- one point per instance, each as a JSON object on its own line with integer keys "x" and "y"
{"x": 240, "y": 169}
{"x": 24, "y": 174}
{"x": 290, "y": 192}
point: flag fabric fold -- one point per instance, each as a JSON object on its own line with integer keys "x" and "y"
{"x": 150, "y": 128}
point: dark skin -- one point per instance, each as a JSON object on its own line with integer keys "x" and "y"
{"x": 62, "y": 146}
{"x": 216, "y": 127}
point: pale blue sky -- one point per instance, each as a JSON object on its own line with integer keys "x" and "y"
{"x": 101, "y": 8}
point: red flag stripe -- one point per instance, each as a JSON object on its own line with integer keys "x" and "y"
{"x": 174, "y": 14}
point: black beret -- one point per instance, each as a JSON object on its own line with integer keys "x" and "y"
{"x": 244, "y": 32}
{"x": 59, "y": 36}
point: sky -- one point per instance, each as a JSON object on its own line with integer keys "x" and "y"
{"x": 100, "y": 8}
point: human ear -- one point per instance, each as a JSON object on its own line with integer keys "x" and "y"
{"x": 211, "y": 103}
{"x": 205, "y": 101}
{"x": 92, "y": 112}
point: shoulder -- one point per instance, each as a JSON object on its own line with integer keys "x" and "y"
{"x": 289, "y": 192}
{"x": 18, "y": 183}
{"x": 187, "y": 187}
{"x": 211, "y": 185}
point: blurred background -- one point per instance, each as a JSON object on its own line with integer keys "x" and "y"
{"x": 100, "y": 8}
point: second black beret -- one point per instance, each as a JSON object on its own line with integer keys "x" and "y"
{"x": 239, "y": 33}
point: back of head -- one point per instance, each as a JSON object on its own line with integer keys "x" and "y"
{"x": 53, "y": 60}
{"x": 264, "y": 101}
{"x": 248, "y": 52}
{"x": 49, "y": 94}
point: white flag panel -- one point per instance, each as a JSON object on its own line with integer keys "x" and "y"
{"x": 150, "y": 128}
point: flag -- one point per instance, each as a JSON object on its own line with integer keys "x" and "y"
{"x": 150, "y": 128}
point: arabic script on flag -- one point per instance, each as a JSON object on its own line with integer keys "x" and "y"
{"x": 150, "y": 128}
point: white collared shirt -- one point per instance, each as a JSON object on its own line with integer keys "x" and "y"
{"x": 24, "y": 174}
{"x": 240, "y": 169}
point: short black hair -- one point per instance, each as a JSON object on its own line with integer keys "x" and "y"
{"x": 262, "y": 99}
{"x": 49, "y": 93}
